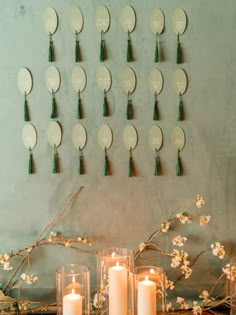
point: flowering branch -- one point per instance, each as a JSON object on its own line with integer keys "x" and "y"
{"x": 25, "y": 253}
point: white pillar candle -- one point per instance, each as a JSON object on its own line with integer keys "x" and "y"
{"x": 118, "y": 290}
{"x": 146, "y": 297}
{"x": 72, "y": 304}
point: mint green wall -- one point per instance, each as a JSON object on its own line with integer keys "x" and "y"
{"x": 117, "y": 210}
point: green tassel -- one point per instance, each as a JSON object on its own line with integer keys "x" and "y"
{"x": 178, "y": 165}
{"x": 157, "y": 166}
{"x": 180, "y": 110}
{"x": 79, "y": 107}
{"x": 77, "y": 59}
{"x": 130, "y": 173}
{"x": 51, "y": 52}
{"x": 80, "y": 169}
{"x": 53, "y": 113}
{"x": 102, "y": 48}
{"x": 129, "y": 109}
{"x": 178, "y": 56}
{"x": 155, "y": 109}
{"x": 156, "y": 59}
{"x": 26, "y": 111}
{"x": 30, "y": 168}
{"x": 105, "y": 105}
{"x": 55, "y": 163}
{"x": 129, "y": 49}
{"x": 106, "y": 164}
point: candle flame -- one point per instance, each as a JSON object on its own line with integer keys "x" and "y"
{"x": 152, "y": 271}
{"x": 73, "y": 291}
{"x": 117, "y": 263}
{"x": 73, "y": 279}
{"x": 146, "y": 278}
{"x": 113, "y": 255}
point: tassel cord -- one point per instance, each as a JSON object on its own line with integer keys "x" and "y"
{"x": 26, "y": 110}
{"x": 157, "y": 165}
{"x": 80, "y": 169}
{"x": 55, "y": 161}
{"x": 53, "y": 112}
{"x": 155, "y": 108}
{"x": 180, "y": 108}
{"x": 129, "y": 49}
{"x": 129, "y": 108}
{"x": 77, "y": 55}
{"x": 79, "y": 106}
{"x": 102, "y": 48}
{"x": 51, "y": 52}
{"x": 178, "y": 164}
{"x": 105, "y": 163}
{"x": 30, "y": 168}
{"x": 130, "y": 171}
{"x": 178, "y": 56}
{"x": 156, "y": 59}
{"x": 105, "y": 104}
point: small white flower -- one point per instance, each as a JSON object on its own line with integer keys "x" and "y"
{"x": 179, "y": 240}
{"x": 6, "y": 266}
{"x": 186, "y": 270}
{"x": 181, "y": 302}
{"x": 218, "y": 250}
{"x": 169, "y": 307}
{"x": 29, "y": 279}
{"x": 52, "y": 236}
{"x": 183, "y": 218}
{"x": 98, "y": 300}
{"x": 165, "y": 226}
{"x": 206, "y": 297}
{"x": 230, "y": 271}
{"x": 197, "y": 310}
{"x": 204, "y": 219}
{"x": 169, "y": 285}
{"x": 67, "y": 243}
{"x": 199, "y": 201}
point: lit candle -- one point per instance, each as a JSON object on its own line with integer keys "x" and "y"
{"x": 146, "y": 297}
{"x": 72, "y": 304}
{"x": 118, "y": 290}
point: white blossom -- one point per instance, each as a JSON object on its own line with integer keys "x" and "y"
{"x": 197, "y": 310}
{"x": 230, "y": 271}
{"x": 29, "y": 279}
{"x": 181, "y": 302}
{"x": 183, "y": 218}
{"x": 186, "y": 270}
{"x": 169, "y": 307}
{"x": 205, "y": 296}
{"x": 204, "y": 219}
{"x": 218, "y": 250}
{"x": 199, "y": 201}
{"x": 179, "y": 240}
{"x": 165, "y": 226}
{"x": 52, "y": 236}
{"x": 178, "y": 257}
{"x": 4, "y": 262}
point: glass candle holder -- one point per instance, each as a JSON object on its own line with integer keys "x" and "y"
{"x": 116, "y": 281}
{"x": 73, "y": 290}
{"x": 149, "y": 290}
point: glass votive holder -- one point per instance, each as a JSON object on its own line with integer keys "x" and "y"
{"x": 116, "y": 281}
{"x": 73, "y": 290}
{"x": 149, "y": 290}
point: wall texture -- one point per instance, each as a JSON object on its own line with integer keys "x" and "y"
{"x": 117, "y": 210}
